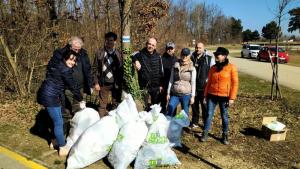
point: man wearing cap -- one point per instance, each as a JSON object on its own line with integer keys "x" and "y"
{"x": 202, "y": 62}
{"x": 150, "y": 74}
{"x": 182, "y": 83}
{"x": 221, "y": 88}
{"x": 168, "y": 61}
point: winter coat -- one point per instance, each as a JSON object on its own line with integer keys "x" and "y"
{"x": 223, "y": 83}
{"x": 151, "y": 74}
{"x": 202, "y": 65}
{"x": 83, "y": 59}
{"x": 182, "y": 80}
{"x": 168, "y": 63}
{"x": 98, "y": 67}
{"x": 58, "y": 77}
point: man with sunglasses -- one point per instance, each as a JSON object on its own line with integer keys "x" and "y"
{"x": 168, "y": 61}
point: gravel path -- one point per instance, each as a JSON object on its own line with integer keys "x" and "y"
{"x": 289, "y": 76}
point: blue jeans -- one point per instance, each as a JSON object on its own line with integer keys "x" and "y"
{"x": 58, "y": 123}
{"x": 174, "y": 101}
{"x": 211, "y": 105}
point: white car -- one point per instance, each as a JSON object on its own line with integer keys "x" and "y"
{"x": 250, "y": 50}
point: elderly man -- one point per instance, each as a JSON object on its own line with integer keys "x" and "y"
{"x": 202, "y": 62}
{"x": 81, "y": 73}
{"x": 108, "y": 74}
{"x": 150, "y": 74}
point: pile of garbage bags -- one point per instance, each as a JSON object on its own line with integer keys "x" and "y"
{"x": 125, "y": 135}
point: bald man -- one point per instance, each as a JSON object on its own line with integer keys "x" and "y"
{"x": 150, "y": 75}
{"x": 202, "y": 62}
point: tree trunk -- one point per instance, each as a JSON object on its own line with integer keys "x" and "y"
{"x": 14, "y": 70}
{"x": 125, "y": 12}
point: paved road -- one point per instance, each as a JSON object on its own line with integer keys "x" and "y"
{"x": 289, "y": 76}
{"x": 12, "y": 160}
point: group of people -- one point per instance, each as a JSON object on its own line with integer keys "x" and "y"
{"x": 192, "y": 79}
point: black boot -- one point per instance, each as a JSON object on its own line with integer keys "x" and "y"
{"x": 225, "y": 139}
{"x": 204, "y": 136}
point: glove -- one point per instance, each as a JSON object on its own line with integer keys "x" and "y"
{"x": 82, "y": 105}
{"x": 91, "y": 90}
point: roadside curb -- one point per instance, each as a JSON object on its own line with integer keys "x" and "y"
{"x": 20, "y": 158}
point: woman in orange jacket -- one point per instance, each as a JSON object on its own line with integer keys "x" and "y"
{"x": 221, "y": 89}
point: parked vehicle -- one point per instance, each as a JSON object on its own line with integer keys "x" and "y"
{"x": 250, "y": 50}
{"x": 268, "y": 52}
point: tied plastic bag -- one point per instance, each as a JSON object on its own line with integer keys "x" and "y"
{"x": 128, "y": 143}
{"x": 156, "y": 150}
{"x": 94, "y": 144}
{"x": 126, "y": 111}
{"x": 80, "y": 122}
{"x": 276, "y": 126}
{"x": 175, "y": 129}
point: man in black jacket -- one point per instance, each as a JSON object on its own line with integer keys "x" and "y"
{"x": 202, "y": 62}
{"x": 81, "y": 73}
{"x": 150, "y": 74}
{"x": 168, "y": 61}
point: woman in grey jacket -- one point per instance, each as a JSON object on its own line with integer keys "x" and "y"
{"x": 182, "y": 83}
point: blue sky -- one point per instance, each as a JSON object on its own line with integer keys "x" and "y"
{"x": 254, "y": 13}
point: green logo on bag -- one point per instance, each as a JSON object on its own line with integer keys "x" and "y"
{"x": 179, "y": 116}
{"x": 154, "y": 163}
{"x": 155, "y": 138}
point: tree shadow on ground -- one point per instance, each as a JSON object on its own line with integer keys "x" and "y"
{"x": 250, "y": 131}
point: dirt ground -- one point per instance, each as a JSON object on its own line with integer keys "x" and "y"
{"x": 247, "y": 148}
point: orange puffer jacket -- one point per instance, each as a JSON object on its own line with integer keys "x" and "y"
{"x": 223, "y": 83}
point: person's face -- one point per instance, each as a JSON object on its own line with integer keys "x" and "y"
{"x": 151, "y": 45}
{"x": 220, "y": 58}
{"x": 71, "y": 61}
{"x": 170, "y": 51}
{"x": 185, "y": 59}
{"x": 199, "y": 48}
{"x": 110, "y": 43}
{"x": 76, "y": 47}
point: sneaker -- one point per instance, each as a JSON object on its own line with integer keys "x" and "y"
{"x": 194, "y": 126}
{"x": 204, "y": 136}
{"x": 63, "y": 151}
{"x": 225, "y": 139}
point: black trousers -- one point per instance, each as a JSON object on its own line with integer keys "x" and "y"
{"x": 199, "y": 98}
{"x": 154, "y": 95}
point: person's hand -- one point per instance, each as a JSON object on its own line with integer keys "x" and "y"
{"x": 137, "y": 65}
{"x": 97, "y": 87}
{"x": 231, "y": 102}
{"x": 91, "y": 90}
{"x": 204, "y": 101}
{"x": 82, "y": 105}
{"x": 160, "y": 89}
{"x": 192, "y": 99}
{"x": 168, "y": 98}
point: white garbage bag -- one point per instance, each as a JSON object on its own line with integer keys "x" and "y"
{"x": 94, "y": 143}
{"x": 126, "y": 111}
{"x": 80, "y": 122}
{"x": 156, "y": 150}
{"x": 128, "y": 143}
{"x": 175, "y": 129}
